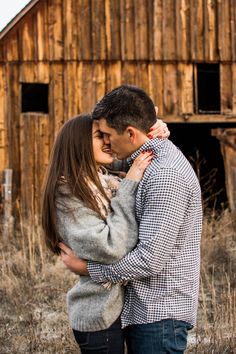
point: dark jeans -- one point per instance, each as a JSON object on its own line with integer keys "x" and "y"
{"x": 108, "y": 341}
{"x": 163, "y": 337}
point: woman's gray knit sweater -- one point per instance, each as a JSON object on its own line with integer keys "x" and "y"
{"x": 91, "y": 306}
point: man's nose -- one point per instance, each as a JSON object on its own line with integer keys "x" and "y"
{"x": 106, "y": 139}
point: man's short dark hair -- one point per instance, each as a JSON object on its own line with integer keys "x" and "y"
{"x": 126, "y": 105}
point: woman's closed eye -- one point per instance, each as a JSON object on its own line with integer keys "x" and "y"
{"x": 98, "y": 134}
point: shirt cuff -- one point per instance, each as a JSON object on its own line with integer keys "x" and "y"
{"x": 95, "y": 272}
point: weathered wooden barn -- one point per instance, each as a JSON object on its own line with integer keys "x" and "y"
{"x": 58, "y": 57}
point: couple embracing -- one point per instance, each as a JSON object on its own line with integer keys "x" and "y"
{"x": 134, "y": 241}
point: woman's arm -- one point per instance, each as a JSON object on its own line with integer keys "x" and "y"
{"x": 106, "y": 241}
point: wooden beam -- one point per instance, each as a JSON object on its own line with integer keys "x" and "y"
{"x": 199, "y": 118}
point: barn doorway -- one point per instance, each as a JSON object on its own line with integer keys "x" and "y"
{"x": 204, "y": 152}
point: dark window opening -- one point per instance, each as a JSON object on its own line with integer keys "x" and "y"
{"x": 204, "y": 153}
{"x": 34, "y": 97}
{"x": 208, "y": 89}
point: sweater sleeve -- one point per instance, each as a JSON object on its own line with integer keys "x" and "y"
{"x": 105, "y": 241}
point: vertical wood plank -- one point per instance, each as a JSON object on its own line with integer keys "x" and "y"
{"x": 27, "y": 33}
{"x": 156, "y": 85}
{"x": 128, "y": 36}
{"x": 234, "y": 88}
{"x": 197, "y": 29}
{"x": 84, "y": 40}
{"x": 57, "y": 103}
{"x": 3, "y": 130}
{"x": 79, "y": 86}
{"x": 141, "y": 29}
{"x": 11, "y": 46}
{"x": 8, "y": 220}
{"x": 43, "y": 72}
{"x": 150, "y": 29}
{"x": 113, "y": 75}
{"x": 142, "y": 76}
{"x": 55, "y": 29}
{"x": 70, "y": 90}
{"x": 42, "y": 31}
{"x": 185, "y": 88}
{"x": 128, "y": 74}
{"x": 182, "y": 29}
{"x": 41, "y": 153}
{"x": 98, "y": 29}
{"x": 13, "y": 113}
{"x": 211, "y": 52}
{"x": 112, "y": 14}
{"x": 224, "y": 39}
{"x": 34, "y": 147}
{"x": 157, "y": 30}
{"x": 233, "y": 28}
{"x": 27, "y": 139}
{"x": 70, "y": 29}
{"x": 168, "y": 30}
{"x": 228, "y": 137}
{"x": 99, "y": 77}
{"x": 28, "y": 72}
{"x": 88, "y": 98}
{"x": 226, "y": 88}
{"x": 170, "y": 89}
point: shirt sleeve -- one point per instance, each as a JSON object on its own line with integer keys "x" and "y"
{"x": 105, "y": 241}
{"x": 165, "y": 205}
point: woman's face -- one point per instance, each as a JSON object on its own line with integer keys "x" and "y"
{"x": 102, "y": 152}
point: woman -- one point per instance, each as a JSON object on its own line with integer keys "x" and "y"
{"x": 78, "y": 210}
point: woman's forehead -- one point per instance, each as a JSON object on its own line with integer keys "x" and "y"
{"x": 95, "y": 126}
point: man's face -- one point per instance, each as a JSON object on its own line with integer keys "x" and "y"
{"x": 120, "y": 143}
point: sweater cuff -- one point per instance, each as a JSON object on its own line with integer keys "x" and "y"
{"x": 95, "y": 272}
{"x": 128, "y": 185}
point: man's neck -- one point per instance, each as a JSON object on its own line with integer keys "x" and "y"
{"x": 142, "y": 139}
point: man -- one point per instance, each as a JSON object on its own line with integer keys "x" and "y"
{"x": 163, "y": 270}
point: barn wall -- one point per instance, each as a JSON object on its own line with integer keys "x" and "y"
{"x": 170, "y": 30}
{"x": 84, "y": 48}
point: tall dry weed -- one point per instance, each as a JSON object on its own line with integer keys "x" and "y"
{"x": 33, "y": 317}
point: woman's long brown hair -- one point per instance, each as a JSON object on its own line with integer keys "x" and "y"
{"x": 71, "y": 158}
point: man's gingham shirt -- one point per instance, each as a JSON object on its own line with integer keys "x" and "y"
{"x": 163, "y": 269}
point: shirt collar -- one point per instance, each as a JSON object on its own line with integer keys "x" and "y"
{"x": 154, "y": 145}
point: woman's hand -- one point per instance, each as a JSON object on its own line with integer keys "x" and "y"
{"x": 140, "y": 164}
{"x": 71, "y": 261}
{"x": 159, "y": 130}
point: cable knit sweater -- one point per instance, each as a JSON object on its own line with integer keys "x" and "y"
{"x": 91, "y": 306}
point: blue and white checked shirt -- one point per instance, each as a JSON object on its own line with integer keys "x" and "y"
{"x": 163, "y": 269}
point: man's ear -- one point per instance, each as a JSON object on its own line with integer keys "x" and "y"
{"x": 131, "y": 133}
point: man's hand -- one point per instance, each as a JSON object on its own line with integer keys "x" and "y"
{"x": 72, "y": 262}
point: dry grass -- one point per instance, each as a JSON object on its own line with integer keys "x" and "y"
{"x": 33, "y": 297}
{"x": 34, "y": 284}
{"x": 216, "y": 329}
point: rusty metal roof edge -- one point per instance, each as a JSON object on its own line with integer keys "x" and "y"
{"x": 18, "y": 17}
